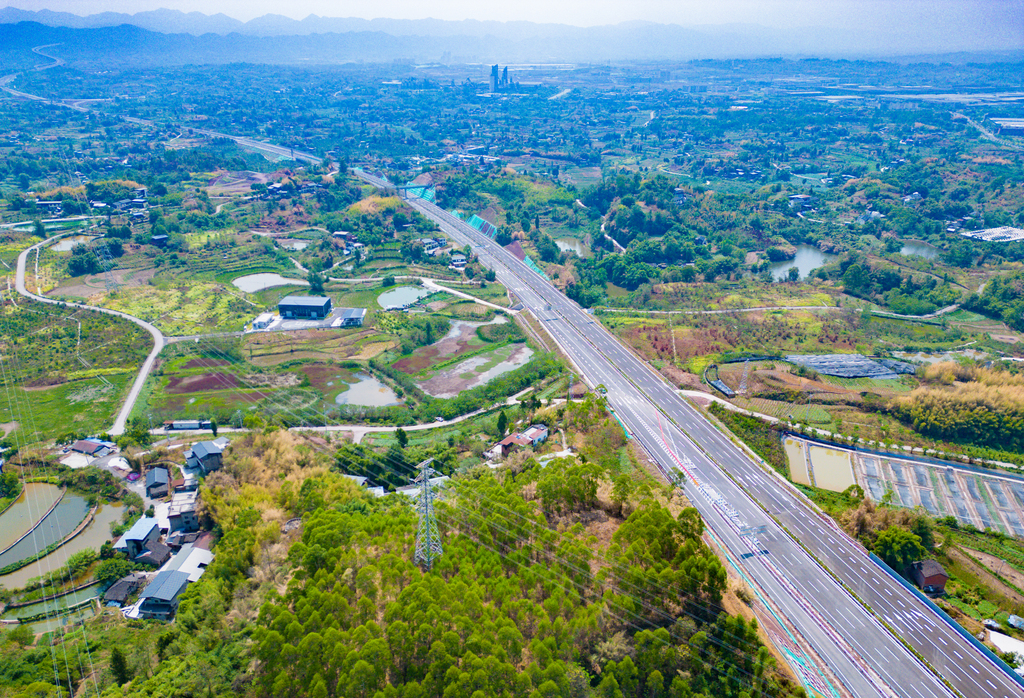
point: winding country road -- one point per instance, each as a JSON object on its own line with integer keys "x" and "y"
{"x": 147, "y": 366}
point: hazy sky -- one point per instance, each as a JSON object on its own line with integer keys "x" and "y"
{"x": 970, "y": 16}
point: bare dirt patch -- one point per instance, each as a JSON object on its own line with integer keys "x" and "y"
{"x": 182, "y": 385}
{"x": 1006, "y": 338}
{"x": 515, "y": 248}
{"x": 225, "y": 183}
{"x": 8, "y": 427}
{"x": 681, "y": 378}
{"x": 205, "y": 363}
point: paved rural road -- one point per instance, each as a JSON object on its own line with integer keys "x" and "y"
{"x": 147, "y": 366}
{"x": 866, "y": 658}
{"x": 734, "y": 494}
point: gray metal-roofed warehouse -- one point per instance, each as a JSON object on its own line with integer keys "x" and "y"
{"x": 316, "y": 307}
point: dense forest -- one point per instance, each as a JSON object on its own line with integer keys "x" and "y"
{"x": 581, "y": 578}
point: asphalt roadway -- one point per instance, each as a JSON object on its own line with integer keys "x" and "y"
{"x": 736, "y": 495}
{"x": 732, "y": 492}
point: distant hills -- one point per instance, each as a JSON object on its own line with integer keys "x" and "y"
{"x": 174, "y": 37}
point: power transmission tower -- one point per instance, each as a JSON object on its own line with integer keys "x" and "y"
{"x": 102, "y": 253}
{"x": 743, "y": 380}
{"x": 428, "y": 540}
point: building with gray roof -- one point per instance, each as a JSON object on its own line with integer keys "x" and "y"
{"x": 160, "y": 597}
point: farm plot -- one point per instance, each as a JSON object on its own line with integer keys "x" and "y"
{"x": 273, "y": 348}
{"x": 808, "y": 414}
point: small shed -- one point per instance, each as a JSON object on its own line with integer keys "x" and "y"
{"x": 352, "y": 317}
{"x": 929, "y": 575}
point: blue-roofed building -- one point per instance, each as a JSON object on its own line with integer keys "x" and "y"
{"x": 158, "y": 483}
{"x": 352, "y": 317}
{"x": 206, "y": 455}
{"x": 315, "y": 307}
{"x": 146, "y": 530}
{"x": 160, "y": 597}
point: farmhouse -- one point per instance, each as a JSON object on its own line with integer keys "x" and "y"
{"x": 532, "y": 436}
{"x": 929, "y": 575}
{"x": 262, "y": 321}
{"x": 160, "y": 597}
{"x": 191, "y": 560}
{"x": 92, "y": 447}
{"x": 315, "y": 307}
{"x": 183, "y": 512}
{"x": 146, "y": 530}
{"x": 206, "y": 454}
{"x": 118, "y": 593}
{"x": 156, "y": 554}
{"x": 158, "y": 482}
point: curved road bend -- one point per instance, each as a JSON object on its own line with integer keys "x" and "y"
{"x": 680, "y": 438}
{"x": 733, "y": 492}
{"x": 147, "y": 365}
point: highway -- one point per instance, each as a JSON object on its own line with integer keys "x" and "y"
{"x": 734, "y": 494}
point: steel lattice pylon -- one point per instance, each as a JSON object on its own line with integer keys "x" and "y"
{"x": 743, "y": 381}
{"x": 428, "y": 540}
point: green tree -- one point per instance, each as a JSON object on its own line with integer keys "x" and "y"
{"x": 119, "y": 666}
{"x": 109, "y": 571}
{"x": 213, "y": 426}
{"x": 502, "y": 424}
{"x": 403, "y": 438}
{"x": 899, "y": 547}
{"x": 316, "y": 282}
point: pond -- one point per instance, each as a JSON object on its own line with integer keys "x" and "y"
{"x": 35, "y": 500}
{"x": 921, "y": 249}
{"x": 401, "y": 296}
{"x": 253, "y": 283}
{"x": 367, "y": 391}
{"x": 808, "y": 258}
{"x": 69, "y": 243}
{"x": 76, "y": 617}
{"x": 572, "y": 245}
{"x": 50, "y": 605}
{"x": 57, "y": 525}
{"x": 293, "y": 245}
{"x": 95, "y": 534}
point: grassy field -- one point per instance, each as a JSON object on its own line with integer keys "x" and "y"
{"x": 181, "y": 308}
{"x": 82, "y": 406}
{"x": 492, "y": 292}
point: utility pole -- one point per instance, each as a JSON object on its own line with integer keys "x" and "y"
{"x": 428, "y": 540}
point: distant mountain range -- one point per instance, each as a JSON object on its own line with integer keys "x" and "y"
{"x": 174, "y": 37}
